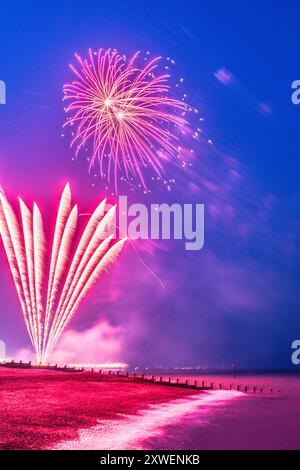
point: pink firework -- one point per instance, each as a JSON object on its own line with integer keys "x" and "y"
{"x": 49, "y": 300}
{"x": 125, "y": 113}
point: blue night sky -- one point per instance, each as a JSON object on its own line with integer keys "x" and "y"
{"x": 236, "y": 301}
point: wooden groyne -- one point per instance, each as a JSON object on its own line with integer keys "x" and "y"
{"x": 155, "y": 379}
{"x": 194, "y": 384}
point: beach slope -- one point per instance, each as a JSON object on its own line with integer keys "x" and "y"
{"x": 39, "y": 408}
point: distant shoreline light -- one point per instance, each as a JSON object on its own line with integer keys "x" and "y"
{"x": 102, "y": 366}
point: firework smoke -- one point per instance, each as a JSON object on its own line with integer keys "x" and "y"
{"x": 49, "y": 302}
{"x": 125, "y": 113}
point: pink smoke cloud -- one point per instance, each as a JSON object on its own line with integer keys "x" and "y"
{"x": 100, "y": 343}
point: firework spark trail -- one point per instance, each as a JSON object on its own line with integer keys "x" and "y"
{"x": 62, "y": 216}
{"x": 91, "y": 273}
{"x": 62, "y": 262}
{"x": 99, "y": 234}
{"x": 69, "y": 278}
{"x": 85, "y": 239}
{"x": 27, "y": 224}
{"x": 12, "y": 261}
{"x": 125, "y": 112}
{"x": 92, "y": 236}
{"x": 14, "y": 234}
{"x": 104, "y": 264}
{"x": 39, "y": 267}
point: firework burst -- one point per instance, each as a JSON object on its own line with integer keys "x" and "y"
{"x": 49, "y": 302}
{"x": 125, "y": 113}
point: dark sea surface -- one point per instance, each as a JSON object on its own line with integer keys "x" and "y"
{"x": 214, "y": 419}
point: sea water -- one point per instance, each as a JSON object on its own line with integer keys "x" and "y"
{"x": 214, "y": 419}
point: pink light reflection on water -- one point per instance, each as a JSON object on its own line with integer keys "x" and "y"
{"x": 131, "y": 431}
